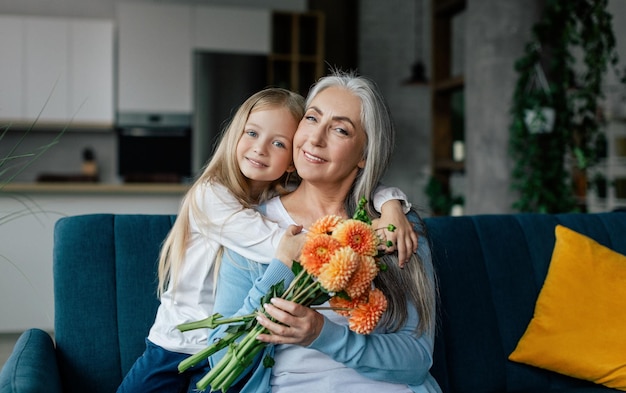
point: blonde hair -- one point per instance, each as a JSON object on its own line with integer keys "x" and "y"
{"x": 223, "y": 168}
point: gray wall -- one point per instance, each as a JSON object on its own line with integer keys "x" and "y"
{"x": 392, "y": 36}
{"x": 499, "y": 31}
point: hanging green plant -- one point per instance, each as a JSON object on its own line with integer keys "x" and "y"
{"x": 574, "y": 43}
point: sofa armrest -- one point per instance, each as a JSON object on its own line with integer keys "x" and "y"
{"x": 32, "y": 366}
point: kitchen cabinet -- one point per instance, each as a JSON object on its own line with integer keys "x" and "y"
{"x": 91, "y": 66}
{"x": 154, "y": 57}
{"x": 56, "y": 70}
{"x": 46, "y": 68}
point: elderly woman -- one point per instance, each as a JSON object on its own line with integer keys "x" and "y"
{"x": 341, "y": 149}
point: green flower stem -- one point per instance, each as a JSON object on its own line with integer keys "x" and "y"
{"x": 208, "y": 351}
{"x": 239, "y": 357}
{"x": 213, "y": 321}
{"x": 294, "y": 284}
{"x": 307, "y": 292}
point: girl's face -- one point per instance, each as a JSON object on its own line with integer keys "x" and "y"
{"x": 264, "y": 151}
{"x": 330, "y": 140}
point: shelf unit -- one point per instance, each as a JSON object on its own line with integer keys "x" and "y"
{"x": 447, "y": 94}
{"x": 297, "y": 57}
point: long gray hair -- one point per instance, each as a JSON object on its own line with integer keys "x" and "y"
{"x": 416, "y": 283}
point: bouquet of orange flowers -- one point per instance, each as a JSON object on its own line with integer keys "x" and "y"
{"x": 337, "y": 264}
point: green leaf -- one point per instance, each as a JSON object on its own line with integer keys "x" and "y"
{"x": 268, "y": 361}
{"x": 275, "y": 290}
{"x": 296, "y": 268}
{"x": 321, "y": 299}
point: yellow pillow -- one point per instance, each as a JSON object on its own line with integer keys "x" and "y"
{"x": 579, "y": 324}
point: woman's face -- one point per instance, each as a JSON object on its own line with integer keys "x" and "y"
{"x": 329, "y": 143}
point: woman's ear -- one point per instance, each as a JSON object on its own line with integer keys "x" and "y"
{"x": 290, "y": 168}
{"x": 361, "y": 163}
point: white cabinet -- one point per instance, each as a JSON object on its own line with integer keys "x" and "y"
{"x": 232, "y": 30}
{"x": 56, "y": 70}
{"x": 91, "y": 69}
{"x": 155, "y": 57}
{"x": 46, "y": 69}
{"x": 157, "y": 44}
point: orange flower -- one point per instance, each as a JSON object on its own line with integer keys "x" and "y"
{"x": 337, "y": 272}
{"x": 365, "y": 316}
{"x": 343, "y": 306}
{"x": 317, "y": 251}
{"x": 325, "y": 225}
{"x": 361, "y": 280}
{"x": 357, "y": 235}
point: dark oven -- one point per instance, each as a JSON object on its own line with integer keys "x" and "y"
{"x": 154, "y": 147}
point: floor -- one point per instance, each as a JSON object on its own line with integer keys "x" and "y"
{"x": 7, "y": 341}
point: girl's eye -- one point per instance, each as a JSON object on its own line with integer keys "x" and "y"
{"x": 279, "y": 144}
{"x": 251, "y": 133}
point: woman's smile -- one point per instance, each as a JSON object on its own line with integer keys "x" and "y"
{"x": 311, "y": 157}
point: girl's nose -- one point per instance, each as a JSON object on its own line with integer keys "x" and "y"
{"x": 260, "y": 148}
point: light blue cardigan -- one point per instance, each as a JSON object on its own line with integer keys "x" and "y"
{"x": 398, "y": 357}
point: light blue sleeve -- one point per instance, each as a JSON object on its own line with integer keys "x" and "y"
{"x": 398, "y": 357}
{"x": 241, "y": 285}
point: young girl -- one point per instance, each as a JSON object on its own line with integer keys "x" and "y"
{"x": 251, "y": 164}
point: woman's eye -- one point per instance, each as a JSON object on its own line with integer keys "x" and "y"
{"x": 341, "y": 131}
{"x": 251, "y": 133}
{"x": 310, "y": 118}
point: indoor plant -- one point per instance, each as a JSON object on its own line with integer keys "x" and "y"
{"x": 574, "y": 43}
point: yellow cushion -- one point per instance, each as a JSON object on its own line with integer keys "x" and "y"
{"x": 579, "y": 324}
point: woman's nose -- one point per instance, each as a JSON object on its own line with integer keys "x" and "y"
{"x": 317, "y": 133}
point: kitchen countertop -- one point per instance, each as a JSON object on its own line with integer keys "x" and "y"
{"x": 96, "y": 188}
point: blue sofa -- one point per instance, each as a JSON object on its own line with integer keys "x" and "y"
{"x": 490, "y": 267}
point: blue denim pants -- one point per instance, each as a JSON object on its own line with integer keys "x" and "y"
{"x": 157, "y": 371}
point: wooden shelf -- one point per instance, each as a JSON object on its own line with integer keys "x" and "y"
{"x": 450, "y": 84}
{"x": 450, "y": 165}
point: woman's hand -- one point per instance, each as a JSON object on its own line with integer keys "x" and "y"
{"x": 296, "y": 324}
{"x": 290, "y": 245}
{"x": 403, "y": 238}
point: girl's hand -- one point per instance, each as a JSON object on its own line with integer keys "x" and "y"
{"x": 290, "y": 245}
{"x": 403, "y": 238}
{"x": 295, "y": 323}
